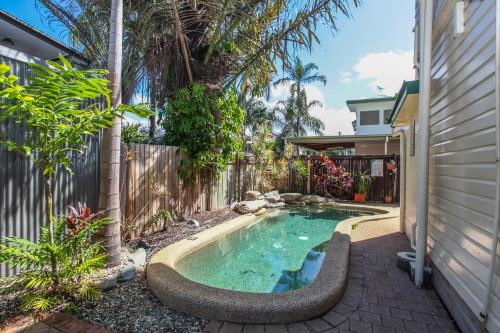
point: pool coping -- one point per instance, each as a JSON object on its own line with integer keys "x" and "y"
{"x": 208, "y": 302}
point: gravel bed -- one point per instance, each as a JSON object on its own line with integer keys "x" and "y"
{"x": 131, "y": 306}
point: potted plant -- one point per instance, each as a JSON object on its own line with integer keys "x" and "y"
{"x": 364, "y": 183}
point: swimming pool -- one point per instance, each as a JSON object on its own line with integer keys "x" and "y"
{"x": 284, "y": 266}
{"x": 279, "y": 253}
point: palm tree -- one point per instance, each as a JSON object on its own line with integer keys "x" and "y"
{"x": 109, "y": 196}
{"x": 296, "y": 119}
{"x": 299, "y": 75}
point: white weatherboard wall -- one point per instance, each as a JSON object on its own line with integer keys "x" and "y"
{"x": 381, "y": 127}
{"x": 462, "y": 153}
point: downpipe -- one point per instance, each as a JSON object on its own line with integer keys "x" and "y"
{"x": 494, "y": 237}
{"x": 426, "y": 16}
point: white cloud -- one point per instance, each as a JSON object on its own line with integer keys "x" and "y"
{"x": 346, "y": 76}
{"x": 386, "y": 70}
{"x": 133, "y": 119}
{"x": 382, "y": 69}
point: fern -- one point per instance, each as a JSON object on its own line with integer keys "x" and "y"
{"x": 160, "y": 216}
{"x": 77, "y": 257}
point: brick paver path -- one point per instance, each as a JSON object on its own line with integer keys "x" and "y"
{"x": 57, "y": 323}
{"x": 379, "y": 297}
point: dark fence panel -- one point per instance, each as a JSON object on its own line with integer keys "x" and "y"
{"x": 22, "y": 203}
{"x": 381, "y": 186}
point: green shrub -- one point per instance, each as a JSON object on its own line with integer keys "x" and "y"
{"x": 76, "y": 254}
{"x": 205, "y": 125}
{"x": 134, "y": 133}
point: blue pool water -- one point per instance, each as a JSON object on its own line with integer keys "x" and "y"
{"x": 279, "y": 253}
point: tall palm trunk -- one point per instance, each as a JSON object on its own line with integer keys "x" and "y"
{"x": 109, "y": 196}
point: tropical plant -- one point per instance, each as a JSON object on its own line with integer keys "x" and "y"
{"x": 71, "y": 247}
{"x": 256, "y": 113}
{"x": 169, "y": 44}
{"x": 55, "y": 115}
{"x": 264, "y": 171}
{"x": 331, "y": 178}
{"x": 205, "y": 124}
{"x": 134, "y": 133}
{"x": 364, "y": 182}
{"x": 109, "y": 190}
{"x": 296, "y": 118}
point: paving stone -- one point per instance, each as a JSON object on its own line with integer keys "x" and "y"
{"x": 445, "y": 322}
{"x": 213, "y": 326}
{"x": 401, "y": 313}
{"x": 370, "y": 317}
{"x": 298, "y": 328}
{"x": 392, "y": 322}
{"x": 360, "y": 326}
{"x": 275, "y": 328}
{"x": 387, "y": 301}
{"x": 318, "y": 324}
{"x": 344, "y": 309}
{"x": 380, "y": 329}
{"x": 334, "y": 318}
{"x": 423, "y": 318}
{"x": 228, "y": 327}
{"x": 380, "y": 309}
{"x": 253, "y": 328}
{"x": 412, "y": 326}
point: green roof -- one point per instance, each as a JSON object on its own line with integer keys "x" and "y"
{"x": 408, "y": 88}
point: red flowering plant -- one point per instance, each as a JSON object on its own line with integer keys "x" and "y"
{"x": 79, "y": 218}
{"x": 330, "y": 177}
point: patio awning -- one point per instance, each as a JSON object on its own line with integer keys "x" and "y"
{"x": 321, "y": 143}
{"x": 406, "y": 103}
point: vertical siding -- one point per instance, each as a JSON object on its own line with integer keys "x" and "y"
{"x": 462, "y": 152}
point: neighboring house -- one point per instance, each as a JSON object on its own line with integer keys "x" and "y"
{"x": 450, "y": 123}
{"x": 373, "y": 133}
{"x": 21, "y": 43}
{"x": 371, "y": 115}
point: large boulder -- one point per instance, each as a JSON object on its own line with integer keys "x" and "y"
{"x": 312, "y": 199}
{"x": 272, "y": 197}
{"x": 138, "y": 257}
{"x": 252, "y": 195}
{"x": 275, "y": 205}
{"x": 245, "y": 207}
{"x": 290, "y": 197}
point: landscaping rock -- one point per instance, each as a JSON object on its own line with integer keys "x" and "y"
{"x": 272, "y": 197}
{"x": 245, "y": 207}
{"x": 275, "y": 205}
{"x": 312, "y": 199}
{"x": 107, "y": 282}
{"x": 290, "y": 197}
{"x": 138, "y": 257}
{"x": 193, "y": 223}
{"x": 127, "y": 273}
{"x": 252, "y": 195}
{"x": 144, "y": 244}
{"x": 260, "y": 211}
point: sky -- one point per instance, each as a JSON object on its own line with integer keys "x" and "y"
{"x": 373, "y": 48}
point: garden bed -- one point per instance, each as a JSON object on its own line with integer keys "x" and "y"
{"x": 131, "y": 306}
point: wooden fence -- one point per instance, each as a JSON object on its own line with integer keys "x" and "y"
{"x": 152, "y": 183}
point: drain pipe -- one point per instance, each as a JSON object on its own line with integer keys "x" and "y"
{"x": 426, "y": 9}
{"x": 494, "y": 236}
{"x": 402, "y": 178}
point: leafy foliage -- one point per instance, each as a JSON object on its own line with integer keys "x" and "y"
{"x": 364, "y": 182}
{"x": 205, "y": 124}
{"x": 226, "y": 40}
{"x": 77, "y": 256}
{"x": 331, "y": 178}
{"x": 55, "y": 110}
{"x": 134, "y": 133}
{"x": 160, "y": 217}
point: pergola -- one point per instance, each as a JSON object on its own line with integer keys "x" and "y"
{"x": 339, "y": 142}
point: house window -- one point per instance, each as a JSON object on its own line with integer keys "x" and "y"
{"x": 387, "y": 114}
{"x": 369, "y": 117}
{"x": 412, "y": 138}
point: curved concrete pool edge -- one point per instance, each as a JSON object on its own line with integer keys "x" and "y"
{"x": 311, "y": 301}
